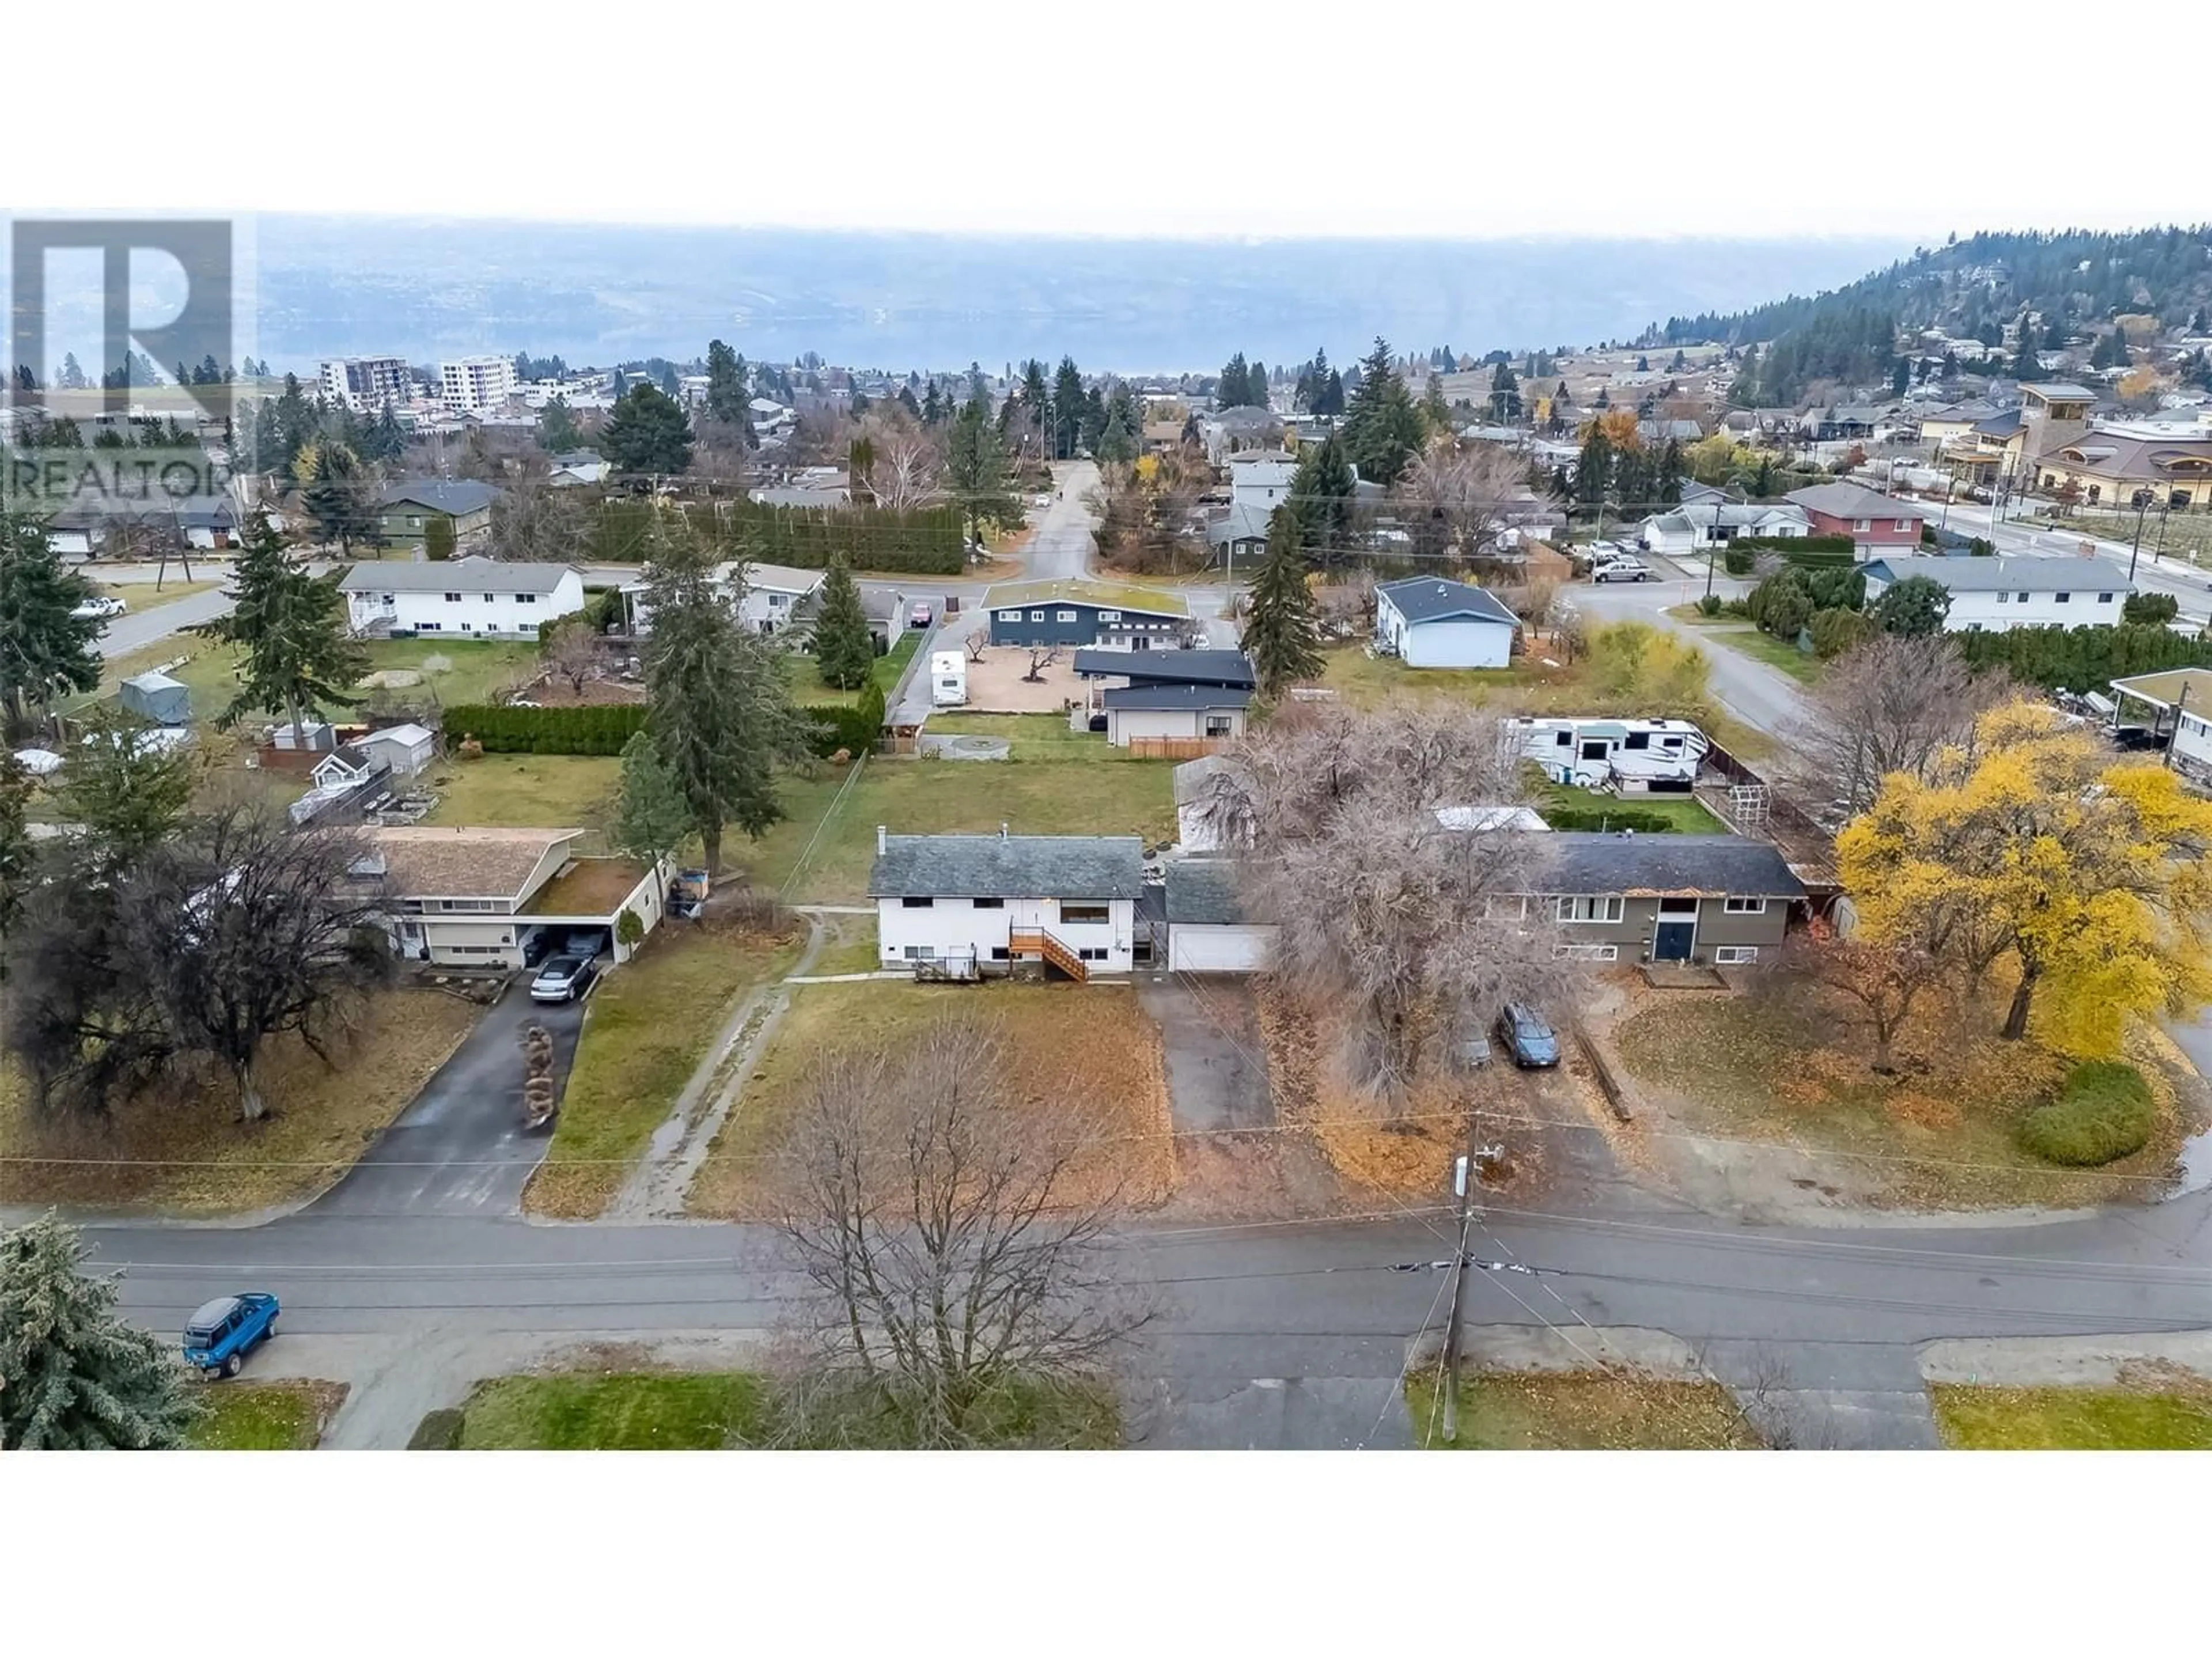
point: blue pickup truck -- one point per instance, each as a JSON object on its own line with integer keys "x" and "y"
{"x": 217, "y": 1336}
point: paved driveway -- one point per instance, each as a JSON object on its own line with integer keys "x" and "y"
{"x": 460, "y": 1149}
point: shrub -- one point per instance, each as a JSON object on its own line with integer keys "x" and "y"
{"x": 851, "y": 728}
{"x": 504, "y": 730}
{"x": 2149, "y": 608}
{"x": 438, "y": 1431}
{"x": 1711, "y": 605}
{"x": 1612, "y": 817}
{"x": 2104, "y": 1111}
{"x": 1835, "y": 632}
{"x": 630, "y": 929}
{"x": 2084, "y": 658}
{"x": 1741, "y": 554}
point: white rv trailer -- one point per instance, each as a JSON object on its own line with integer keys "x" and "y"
{"x": 1630, "y": 755}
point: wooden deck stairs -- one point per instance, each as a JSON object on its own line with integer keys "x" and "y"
{"x": 1036, "y": 942}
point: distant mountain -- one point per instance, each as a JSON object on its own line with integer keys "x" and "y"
{"x": 602, "y": 294}
{"x": 2070, "y": 279}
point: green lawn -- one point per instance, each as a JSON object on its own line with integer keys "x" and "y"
{"x": 710, "y": 1410}
{"x": 1579, "y": 1411}
{"x": 1761, "y": 646}
{"x": 1042, "y": 796}
{"x": 702, "y": 1410}
{"x": 1361, "y": 680}
{"x": 1974, "y": 1418}
{"x": 524, "y": 792}
{"x": 645, "y": 1029}
{"x": 806, "y": 686}
{"x": 848, "y": 947}
{"x": 474, "y": 670}
{"x": 1684, "y": 814}
{"x": 266, "y": 1416}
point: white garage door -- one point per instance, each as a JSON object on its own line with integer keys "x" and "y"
{"x": 1217, "y": 950}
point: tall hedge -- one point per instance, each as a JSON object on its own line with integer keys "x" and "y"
{"x": 922, "y": 540}
{"x": 1808, "y": 552}
{"x": 2084, "y": 659}
{"x": 504, "y": 730}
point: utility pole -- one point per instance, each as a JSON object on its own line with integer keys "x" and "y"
{"x": 2180, "y": 707}
{"x": 1465, "y": 1171}
{"x": 2134, "y": 548}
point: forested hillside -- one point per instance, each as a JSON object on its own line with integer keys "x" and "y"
{"x": 2069, "y": 278}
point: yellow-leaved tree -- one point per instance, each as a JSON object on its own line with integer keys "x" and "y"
{"x": 2036, "y": 842}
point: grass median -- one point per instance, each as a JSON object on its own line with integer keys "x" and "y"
{"x": 288, "y": 1416}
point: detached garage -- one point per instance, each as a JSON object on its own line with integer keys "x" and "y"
{"x": 1429, "y": 622}
{"x": 1207, "y": 933}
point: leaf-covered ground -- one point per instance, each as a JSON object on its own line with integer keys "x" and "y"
{"x": 1580, "y": 1411}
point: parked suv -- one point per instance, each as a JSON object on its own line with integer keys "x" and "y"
{"x": 1526, "y": 1037}
{"x": 217, "y": 1336}
{"x": 562, "y": 979}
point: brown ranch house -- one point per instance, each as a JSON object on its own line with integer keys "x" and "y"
{"x": 1717, "y": 900}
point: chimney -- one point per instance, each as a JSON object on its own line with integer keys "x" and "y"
{"x": 880, "y": 833}
{"x": 1002, "y": 832}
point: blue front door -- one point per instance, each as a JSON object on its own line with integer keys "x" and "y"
{"x": 1673, "y": 941}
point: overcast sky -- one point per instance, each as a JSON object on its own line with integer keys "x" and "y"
{"x": 1381, "y": 118}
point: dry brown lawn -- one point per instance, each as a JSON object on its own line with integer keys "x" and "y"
{"x": 179, "y": 1148}
{"x": 1614, "y": 1410}
{"x": 998, "y": 685}
{"x": 1788, "y": 1066}
{"x": 1092, "y": 1045}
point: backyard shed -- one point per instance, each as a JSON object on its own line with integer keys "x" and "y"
{"x": 158, "y": 698}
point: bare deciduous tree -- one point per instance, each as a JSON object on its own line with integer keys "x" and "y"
{"x": 536, "y": 524}
{"x": 1884, "y": 979}
{"x": 1380, "y": 844}
{"x": 574, "y": 655}
{"x": 976, "y": 643}
{"x": 903, "y": 471}
{"x": 954, "y": 1251}
{"x": 1042, "y": 657}
{"x": 1475, "y": 492}
{"x": 1890, "y": 704}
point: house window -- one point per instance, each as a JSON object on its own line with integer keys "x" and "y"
{"x": 1602, "y": 906}
{"x": 2063, "y": 599}
{"x": 919, "y": 952}
{"x": 429, "y": 628}
{"x": 468, "y": 904}
{"x": 1036, "y": 616}
{"x": 912, "y": 903}
{"x": 1734, "y": 955}
{"x": 1082, "y": 912}
{"x": 526, "y": 599}
{"x": 1063, "y": 616}
{"x": 2022, "y": 597}
{"x": 489, "y": 600}
{"x": 1860, "y": 526}
{"x": 2104, "y": 598}
{"x": 1109, "y": 616}
{"x": 1587, "y": 952}
{"x": 453, "y": 599}
{"x": 1905, "y": 526}
{"x": 1745, "y": 907}
{"x": 1000, "y": 953}
{"x": 2002, "y": 596}
{"x": 1010, "y": 616}
{"x": 1217, "y": 726}
{"x": 1092, "y": 953}
{"x": 988, "y": 903}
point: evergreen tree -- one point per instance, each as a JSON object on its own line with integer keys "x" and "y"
{"x": 976, "y": 471}
{"x": 729, "y": 397}
{"x": 557, "y": 431}
{"x": 296, "y": 656}
{"x": 1094, "y": 419}
{"x": 1036, "y": 400}
{"x": 1331, "y": 401}
{"x": 932, "y": 405}
{"x": 1282, "y": 633}
{"x": 1504, "y": 395}
{"x": 45, "y": 651}
{"x": 80, "y": 1377}
{"x": 1255, "y": 383}
{"x": 1235, "y": 389}
{"x": 1067, "y": 407}
{"x": 1593, "y": 468}
{"x": 844, "y": 645}
{"x": 1320, "y": 500}
{"x": 18, "y": 852}
{"x": 2026, "y": 366}
{"x": 130, "y": 794}
{"x": 334, "y": 488}
{"x": 647, "y": 435}
{"x": 1666, "y": 476}
{"x": 1382, "y": 429}
{"x": 650, "y": 816}
{"x": 1436, "y": 413}
{"x": 720, "y": 718}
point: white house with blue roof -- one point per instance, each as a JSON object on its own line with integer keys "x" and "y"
{"x": 1428, "y": 622}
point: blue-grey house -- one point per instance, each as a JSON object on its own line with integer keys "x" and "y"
{"x": 1078, "y": 613}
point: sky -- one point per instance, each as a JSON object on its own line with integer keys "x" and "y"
{"x": 1391, "y": 117}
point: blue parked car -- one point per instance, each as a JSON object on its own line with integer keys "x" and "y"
{"x": 1526, "y": 1037}
{"x": 218, "y": 1336}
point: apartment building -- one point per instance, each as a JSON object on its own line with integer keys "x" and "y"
{"x": 366, "y": 384}
{"x": 477, "y": 385}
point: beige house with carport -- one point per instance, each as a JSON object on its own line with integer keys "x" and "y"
{"x": 467, "y": 898}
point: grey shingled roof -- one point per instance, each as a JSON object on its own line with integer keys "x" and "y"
{"x": 1170, "y": 667}
{"x": 2019, "y": 573}
{"x": 469, "y": 575}
{"x": 1850, "y": 501}
{"x": 1202, "y": 893}
{"x": 1179, "y": 696}
{"x": 1586, "y": 862}
{"x": 1008, "y": 867}
{"x": 454, "y": 495}
{"x": 1429, "y": 599}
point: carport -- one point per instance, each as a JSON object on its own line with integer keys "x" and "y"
{"x": 588, "y": 898}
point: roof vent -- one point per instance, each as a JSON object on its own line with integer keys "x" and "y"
{"x": 1002, "y": 832}
{"x": 882, "y": 833}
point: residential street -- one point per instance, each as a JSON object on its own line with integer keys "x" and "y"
{"x": 1758, "y": 696}
{"x": 151, "y": 619}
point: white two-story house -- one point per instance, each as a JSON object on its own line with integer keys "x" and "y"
{"x": 2014, "y": 590}
{"x": 967, "y": 906}
{"x": 769, "y": 596}
{"x": 485, "y": 598}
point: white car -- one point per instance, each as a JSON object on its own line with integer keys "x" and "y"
{"x": 100, "y": 605}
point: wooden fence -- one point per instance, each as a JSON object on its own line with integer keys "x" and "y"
{"x": 1173, "y": 749}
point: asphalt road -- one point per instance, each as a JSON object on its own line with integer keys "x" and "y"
{"x": 137, "y": 628}
{"x": 1756, "y": 694}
